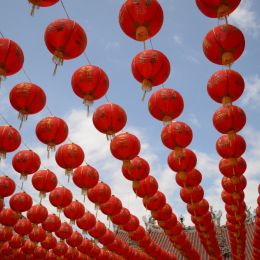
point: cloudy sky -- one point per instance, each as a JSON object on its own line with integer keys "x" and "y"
{"x": 180, "y": 39}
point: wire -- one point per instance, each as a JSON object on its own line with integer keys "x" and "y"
{"x": 87, "y": 58}
{"x": 4, "y": 119}
{"x": 1, "y": 34}
{"x": 47, "y": 107}
{"x": 63, "y": 6}
{"x": 151, "y": 43}
{"x": 26, "y": 75}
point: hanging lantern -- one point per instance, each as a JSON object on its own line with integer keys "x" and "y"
{"x": 232, "y": 166}
{"x": 75, "y": 239}
{"x": 225, "y": 86}
{"x": 20, "y": 202}
{"x": 108, "y": 238}
{"x": 156, "y": 202}
{"x": 146, "y": 187}
{"x": 94, "y": 252}
{"x": 229, "y": 118}
{"x": 23, "y": 227}
{"x": 7, "y": 187}
{"x": 224, "y": 44}
{"x": 99, "y": 194}
{"x": 109, "y": 119}
{"x": 188, "y": 179}
{"x": 10, "y": 140}
{"x": 26, "y": 162}
{"x": 182, "y": 160}
{"x": 11, "y": 58}
{"x": 64, "y": 231}
{"x": 234, "y": 183}
{"x": 138, "y": 169}
{"x": 65, "y": 39}
{"x": 151, "y": 68}
{"x": 28, "y": 247}
{"x": 52, "y": 223}
{"x": 232, "y": 198}
{"x": 38, "y": 234}
{"x": 231, "y": 146}
{"x": 69, "y": 157}
{"x": 217, "y": 9}
{"x": 52, "y": 131}
{"x": 90, "y": 83}
{"x": 235, "y": 208}
{"x": 98, "y": 230}
{"x": 6, "y": 250}
{"x": 138, "y": 234}
{"x": 41, "y": 3}
{"x": 86, "y": 222}
{"x": 74, "y": 211}
{"x": 192, "y": 194}
{"x": 17, "y": 241}
{"x": 122, "y": 217}
{"x": 49, "y": 242}
{"x": 165, "y": 104}
{"x": 39, "y": 252}
{"x": 141, "y": 20}
{"x": 132, "y": 224}
{"x": 125, "y": 147}
{"x": 60, "y": 249}
{"x": 60, "y": 198}
{"x": 37, "y": 214}
{"x": 6, "y": 234}
{"x": 27, "y": 98}
{"x": 198, "y": 209}
{"x": 163, "y": 213}
{"x": 71, "y": 254}
{"x": 112, "y": 207}
{"x": 44, "y": 181}
{"x": 85, "y": 246}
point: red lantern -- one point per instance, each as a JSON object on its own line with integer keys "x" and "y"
{"x": 28, "y": 247}
{"x": 10, "y": 140}
{"x": 198, "y": 209}
{"x": 99, "y": 194}
{"x": 229, "y": 118}
{"x": 65, "y": 39}
{"x": 165, "y": 104}
{"x": 188, "y": 179}
{"x": 64, "y": 231}
{"x": 85, "y": 246}
{"x": 7, "y": 186}
{"x": 108, "y": 238}
{"x": 23, "y": 226}
{"x": 217, "y": 9}
{"x": 11, "y": 58}
{"x": 151, "y": 68}
{"x": 39, "y": 252}
{"x": 20, "y": 202}
{"x": 49, "y": 242}
{"x": 85, "y": 177}
{"x": 176, "y": 135}
{"x": 69, "y": 156}
{"x": 192, "y": 194}
{"x": 232, "y": 198}
{"x": 182, "y": 160}
{"x": 60, "y": 197}
{"x": 26, "y": 162}
{"x": 5, "y": 234}
{"x": 225, "y": 86}
{"x": 98, "y": 230}
{"x": 6, "y": 250}
{"x": 60, "y": 249}
{"x": 122, "y": 217}
{"x": 234, "y": 183}
{"x": 90, "y": 83}
{"x": 138, "y": 234}
{"x": 109, "y": 119}
{"x": 17, "y": 241}
{"x": 232, "y": 166}
{"x": 137, "y": 170}
{"x": 38, "y": 234}
{"x": 132, "y": 224}
{"x": 112, "y": 207}
{"x": 75, "y": 239}
{"x": 235, "y": 208}
{"x": 231, "y": 146}
{"x": 27, "y": 98}
{"x": 37, "y": 214}
{"x": 71, "y": 254}
{"x": 52, "y": 223}
{"x": 50, "y": 255}
{"x": 224, "y": 44}
{"x": 52, "y": 131}
{"x": 146, "y": 187}
{"x": 156, "y": 202}
{"x": 163, "y": 213}
{"x": 86, "y": 222}
{"x": 94, "y": 251}
{"x": 41, "y": 3}
{"x": 74, "y": 211}
{"x": 44, "y": 181}
{"x": 125, "y": 147}
{"x": 141, "y": 20}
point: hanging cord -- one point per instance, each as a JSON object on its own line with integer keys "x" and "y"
{"x": 87, "y": 58}
{"x": 1, "y": 34}
{"x": 47, "y": 107}
{"x": 26, "y": 75}
{"x": 64, "y": 8}
{"x": 151, "y": 43}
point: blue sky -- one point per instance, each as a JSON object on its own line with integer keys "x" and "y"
{"x": 180, "y": 39}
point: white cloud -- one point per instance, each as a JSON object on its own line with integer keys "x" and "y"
{"x": 112, "y": 45}
{"x": 177, "y": 39}
{"x": 252, "y": 92}
{"x": 194, "y": 120}
{"x": 245, "y": 18}
{"x": 192, "y": 59}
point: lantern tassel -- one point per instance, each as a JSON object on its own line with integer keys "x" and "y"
{"x": 22, "y": 117}
{"x": 2, "y": 78}
{"x": 58, "y": 61}
{"x": 33, "y": 10}
{"x": 144, "y": 94}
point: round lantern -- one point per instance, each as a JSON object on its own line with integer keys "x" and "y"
{"x": 232, "y": 166}
{"x": 26, "y": 162}
{"x": 165, "y": 104}
{"x": 192, "y": 194}
{"x": 20, "y": 202}
{"x": 51, "y": 131}
{"x": 217, "y": 9}
{"x": 23, "y": 227}
{"x": 99, "y": 194}
{"x": 65, "y": 39}
{"x": 85, "y": 246}
{"x": 224, "y": 44}
{"x": 75, "y": 239}
{"x": 7, "y": 186}
{"x": 52, "y": 223}
{"x": 39, "y": 252}
{"x": 112, "y": 207}
{"x": 38, "y": 234}
{"x": 41, "y": 3}
{"x": 17, "y": 241}
{"x": 37, "y": 214}
{"x": 6, "y": 250}
{"x": 64, "y": 231}
{"x": 85, "y": 177}
{"x": 151, "y": 68}
{"x": 71, "y": 254}
{"x": 137, "y": 170}
{"x": 86, "y": 222}
{"x": 138, "y": 234}
{"x": 156, "y": 202}
{"x": 232, "y": 198}
{"x": 230, "y": 146}
{"x": 90, "y": 83}
{"x": 60, "y": 198}
{"x": 60, "y": 249}
{"x": 5, "y": 234}
{"x": 98, "y": 230}
{"x": 198, "y": 209}
{"x": 44, "y": 181}
{"x": 234, "y": 183}
{"x": 182, "y": 160}
{"x": 49, "y": 242}
{"x": 108, "y": 238}
{"x": 69, "y": 156}
{"x": 109, "y": 119}
{"x": 28, "y": 247}
{"x": 74, "y": 211}
{"x": 94, "y": 252}
{"x": 225, "y": 86}
{"x": 141, "y": 20}
{"x": 27, "y": 98}
{"x": 163, "y": 213}
{"x": 188, "y": 179}
{"x": 125, "y": 147}
{"x": 146, "y": 187}
{"x": 10, "y": 140}
{"x": 11, "y": 58}
{"x": 122, "y": 217}
{"x": 132, "y": 224}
